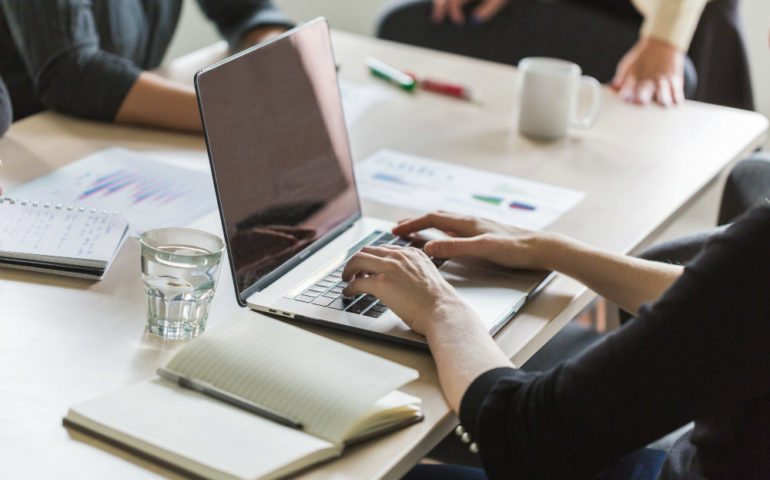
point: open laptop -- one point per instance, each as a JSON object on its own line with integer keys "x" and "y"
{"x": 283, "y": 173}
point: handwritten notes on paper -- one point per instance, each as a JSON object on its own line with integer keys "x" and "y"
{"x": 31, "y": 230}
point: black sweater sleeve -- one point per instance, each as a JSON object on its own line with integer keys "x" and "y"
{"x": 702, "y": 347}
{"x": 6, "y": 115}
{"x": 59, "y": 43}
{"x": 234, "y": 18}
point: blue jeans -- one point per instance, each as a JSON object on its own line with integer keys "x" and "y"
{"x": 644, "y": 464}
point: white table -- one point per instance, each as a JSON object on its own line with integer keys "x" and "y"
{"x": 66, "y": 340}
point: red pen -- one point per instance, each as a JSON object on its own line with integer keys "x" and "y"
{"x": 452, "y": 90}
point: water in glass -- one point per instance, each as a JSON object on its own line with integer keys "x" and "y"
{"x": 179, "y": 281}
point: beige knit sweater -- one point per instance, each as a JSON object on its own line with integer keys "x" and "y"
{"x": 672, "y": 21}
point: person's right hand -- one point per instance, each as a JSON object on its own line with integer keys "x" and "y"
{"x": 405, "y": 280}
{"x": 653, "y": 70}
{"x": 502, "y": 244}
{"x": 454, "y": 10}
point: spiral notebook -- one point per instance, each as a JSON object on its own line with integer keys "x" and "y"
{"x": 64, "y": 240}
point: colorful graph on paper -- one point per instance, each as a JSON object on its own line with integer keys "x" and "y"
{"x": 424, "y": 185}
{"x": 139, "y": 187}
{"x": 150, "y": 191}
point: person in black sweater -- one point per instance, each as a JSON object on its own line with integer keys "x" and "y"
{"x": 698, "y": 349}
{"x": 6, "y": 115}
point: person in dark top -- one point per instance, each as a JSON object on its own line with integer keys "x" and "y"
{"x": 6, "y": 115}
{"x": 698, "y": 349}
{"x": 643, "y": 48}
{"x": 91, "y": 58}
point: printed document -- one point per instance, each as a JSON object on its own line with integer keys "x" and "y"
{"x": 416, "y": 183}
{"x": 150, "y": 189}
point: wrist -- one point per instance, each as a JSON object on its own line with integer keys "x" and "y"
{"x": 451, "y": 318}
{"x": 549, "y": 250}
{"x": 573, "y": 258}
{"x": 260, "y": 34}
{"x": 659, "y": 45}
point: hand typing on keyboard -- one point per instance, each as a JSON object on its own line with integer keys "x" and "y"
{"x": 328, "y": 292}
{"x": 403, "y": 278}
{"x": 406, "y": 280}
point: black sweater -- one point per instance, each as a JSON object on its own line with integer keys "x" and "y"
{"x": 700, "y": 352}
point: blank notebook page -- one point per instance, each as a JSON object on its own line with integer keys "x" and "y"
{"x": 323, "y": 384}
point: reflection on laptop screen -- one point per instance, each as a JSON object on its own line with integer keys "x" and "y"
{"x": 279, "y": 150}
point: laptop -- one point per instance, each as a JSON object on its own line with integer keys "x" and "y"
{"x": 291, "y": 215}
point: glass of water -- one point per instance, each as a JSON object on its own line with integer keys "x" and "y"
{"x": 180, "y": 268}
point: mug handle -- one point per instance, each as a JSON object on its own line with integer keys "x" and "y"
{"x": 589, "y": 119}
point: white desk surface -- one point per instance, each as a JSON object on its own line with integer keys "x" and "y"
{"x": 66, "y": 340}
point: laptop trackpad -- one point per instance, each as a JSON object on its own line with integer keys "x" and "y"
{"x": 494, "y": 292}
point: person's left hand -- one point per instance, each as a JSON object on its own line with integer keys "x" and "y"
{"x": 260, "y": 34}
{"x": 651, "y": 70}
{"x": 405, "y": 280}
{"x": 478, "y": 237}
{"x": 1, "y": 167}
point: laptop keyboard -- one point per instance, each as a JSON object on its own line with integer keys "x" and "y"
{"x": 327, "y": 292}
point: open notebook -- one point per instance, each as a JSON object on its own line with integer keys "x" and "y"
{"x": 65, "y": 240}
{"x": 340, "y": 395}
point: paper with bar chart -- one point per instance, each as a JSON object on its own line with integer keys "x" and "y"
{"x": 150, "y": 191}
{"x": 425, "y": 185}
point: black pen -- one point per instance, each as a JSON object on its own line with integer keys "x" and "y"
{"x": 227, "y": 397}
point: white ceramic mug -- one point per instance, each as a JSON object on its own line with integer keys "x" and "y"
{"x": 548, "y": 96}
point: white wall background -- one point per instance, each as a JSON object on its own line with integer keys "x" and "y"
{"x": 360, "y": 16}
{"x": 756, "y": 23}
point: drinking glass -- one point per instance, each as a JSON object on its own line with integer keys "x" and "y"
{"x": 180, "y": 268}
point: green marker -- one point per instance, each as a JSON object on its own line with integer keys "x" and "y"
{"x": 392, "y": 75}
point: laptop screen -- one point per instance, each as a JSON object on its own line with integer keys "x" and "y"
{"x": 279, "y": 153}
